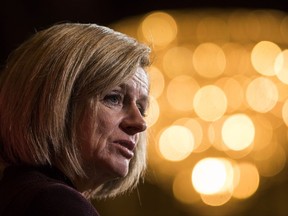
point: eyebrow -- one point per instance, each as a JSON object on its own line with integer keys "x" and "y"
{"x": 143, "y": 97}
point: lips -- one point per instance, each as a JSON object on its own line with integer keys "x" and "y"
{"x": 125, "y": 148}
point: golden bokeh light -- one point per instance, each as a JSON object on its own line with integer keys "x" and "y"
{"x": 176, "y": 143}
{"x": 214, "y": 134}
{"x": 179, "y": 90}
{"x": 234, "y": 92}
{"x": 157, "y": 81}
{"x": 263, "y": 132}
{"x": 219, "y": 105}
{"x": 263, "y": 57}
{"x": 183, "y": 189}
{"x": 209, "y": 60}
{"x": 236, "y": 54}
{"x": 210, "y": 103}
{"x": 285, "y": 112}
{"x": 216, "y": 199}
{"x": 196, "y": 129}
{"x": 281, "y": 66}
{"x": 212, "y": 176}
{"x": 153, "y": 112}
{"x": 273, "y": 164}
{"x": 158, "y": 28}
{"x": 262, "y": 94}
{"x": 178, "y": 61}
{"x": 248, "y": 181}
{"x": 238, "y": 132}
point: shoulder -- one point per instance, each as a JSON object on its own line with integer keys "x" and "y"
{"x": 60, "y": 199}
{"x": 42, "y": 192}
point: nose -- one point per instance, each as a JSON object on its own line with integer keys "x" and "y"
{"x": 133, "y": 122}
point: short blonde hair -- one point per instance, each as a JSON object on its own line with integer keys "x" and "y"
{"x": 46, "y": 83}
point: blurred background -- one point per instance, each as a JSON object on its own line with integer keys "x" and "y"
{"x": 219, "y": 99}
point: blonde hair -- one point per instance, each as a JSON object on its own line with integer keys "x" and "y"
{"x": 49, "y": 80}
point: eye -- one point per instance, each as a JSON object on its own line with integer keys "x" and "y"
{"x": 113, "y": 99}
{"x": 142, "y": 109}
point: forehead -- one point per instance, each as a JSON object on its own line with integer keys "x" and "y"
{"x": 138, "y": 82}
{"x": 140, "y": 79}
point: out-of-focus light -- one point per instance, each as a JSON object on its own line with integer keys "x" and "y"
{"x": 214, "y": 134}
{"x": 285, "y": 112}
{"x": 248, "y": 181}
{"x": 209, "y": 60}
{"x": 176, "y": 143}
{"x": 159, "y": 28}
{"x": 157, "y": 82}
{"x": 273, "y": 164}
{"x": 177, "y": 61}
{"x": 183, "y": 189}
{"x": 263, "y": 132}
{"x": 153, "y": 112}
{"x": 262, "y": 94}
{"x": 212, "y": 176}
{"x": 224, "y": 76}
{"x": 181, "y": 91}
{"x": 218, "y": 199}
{"x": 263, "y": 57}
{"x": 196, "y": 129}
{"x": 281, "y": 66}
{"x": 210, "y": 103}
{"x": 238, "y": 132}
{"x": 238, "y": 61}
{"x": 233, "y": 91}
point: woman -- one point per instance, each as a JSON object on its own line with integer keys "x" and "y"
{"x": 72, "y": 105}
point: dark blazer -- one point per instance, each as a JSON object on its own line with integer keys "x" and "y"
{"x": 43, "y": 191}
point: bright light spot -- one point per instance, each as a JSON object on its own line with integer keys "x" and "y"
{"x": 197, "y": 127}
{"x": 212, "y": 175}
{"x": 157, "y": 82}
{"x": 210, "y": 103}
{"x": 262, "y": 94}
{"x": 181, "y": 91}
{"x": 209, "y": 60}
{"x": 248, "y": 181}
{"x": 176, "y": 143}
{"x": 281, "y": 66}
{"x": 153, "y": 112}
{"x": 263, "y": 57}
{"x": 216, "y": 199}
{"x": 238, "y": 132}
{"x": 159, "y": 28}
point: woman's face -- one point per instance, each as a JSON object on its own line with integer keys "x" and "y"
{"x": 109, "y": 141}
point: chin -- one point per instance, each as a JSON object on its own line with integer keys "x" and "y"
{"x": 121, "y": 168}
{"x": 121, "y": 171}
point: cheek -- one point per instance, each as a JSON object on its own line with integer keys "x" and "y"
{"x": 95, "y": 135}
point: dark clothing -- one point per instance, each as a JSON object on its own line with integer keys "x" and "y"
{"x": 45, "y": 191}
